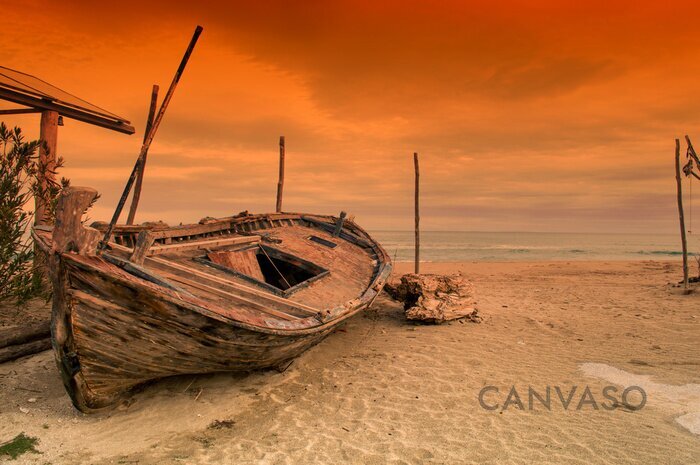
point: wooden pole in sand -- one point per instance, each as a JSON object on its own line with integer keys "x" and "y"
{"x": 48, "y": 133}
{"x": 142, "y": 168}
{"x": 680, "y": 214}
{"x": 280, "y": 182}
{"x": 417, "y": 214}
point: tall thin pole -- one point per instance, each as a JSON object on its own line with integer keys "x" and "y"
{"x": 142, "y": 168}
{"x": 280, "y": 182}
{"x": 417, "y": 213}
{"x": 680, "y": 214}
{"x": 149, "y": 136}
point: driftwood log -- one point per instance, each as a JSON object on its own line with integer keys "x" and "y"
{"x": 435, "y": 298}
{"x": 22, "y": 334}
{"x": 20, "y": 341}
{"x": 16, "y": 351}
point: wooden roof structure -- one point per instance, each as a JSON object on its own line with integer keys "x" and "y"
{"x": 38, "y": 95}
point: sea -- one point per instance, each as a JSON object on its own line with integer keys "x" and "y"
{"x": 459, "y": 246}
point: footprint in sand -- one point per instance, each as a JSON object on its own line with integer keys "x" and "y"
{"x": 684, "y": 400}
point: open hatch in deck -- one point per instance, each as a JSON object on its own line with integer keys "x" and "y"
{"x": 274, "y": 270}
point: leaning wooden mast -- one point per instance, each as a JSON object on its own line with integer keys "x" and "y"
{"x": 149, "y": 137}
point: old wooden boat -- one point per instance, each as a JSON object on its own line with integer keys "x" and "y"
{"x": 233, "y": 294}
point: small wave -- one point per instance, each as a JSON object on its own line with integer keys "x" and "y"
{"x": 518, "y": 247}
{"x": 661, "y": 252}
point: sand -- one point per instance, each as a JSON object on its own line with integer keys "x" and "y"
{"x": 382, "y": 390}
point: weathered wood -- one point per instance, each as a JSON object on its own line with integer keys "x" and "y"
{"x": 140, "y": 272}
{"x": 681, "y": 216}
{"x": 47, "y": 158}
{"x": 280, "y": 182}
{"x": 234, "y": 297}
{"x": 688, "y": 169}
{"x": 216, "y": 281}
{"x": 20, "y": 111}
{"x": 16, "y": 351}
{"x": 194, "y": 245}
{"x": 120, "y": 324}
{"x": 142, "y": 168}
{"x": 261, "y": 282}
{"x": 140, "y": 345}
{"x": 691, "y": 151}
{"x": 67, "y": 111}
{"x": 144, "y": 241}
{"x": 244, "y": 261}
{"x": 210, "y": 226}
{"x": 330, "y": 228}
{"x": 435, "y": 298}
{"x": 69, "y": 234}
{"x": 192, "y": 230}
{"x": 151, "y": 134}
{"x": 417, "y": 214}
{"x": 22, "y": 334}
{"x": 339, "y": 224}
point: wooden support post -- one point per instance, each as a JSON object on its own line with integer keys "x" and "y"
{"x": 680, "y": 214}
{"x": 339, "y": 224}
{"x": 47, "y": 158}
{"x": 26, "y": 333}
{"x": 280, "y": 182}
{"x": 20, "y": 111}
{"x": 69, "y": 233}
{"x": 144, "y": 241}
{"x": 14, "y": 352}
{"x": 417, "y": 214}
{"x": 142, "y": 167}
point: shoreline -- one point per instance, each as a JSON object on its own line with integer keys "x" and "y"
{"x": 675, "y": 259}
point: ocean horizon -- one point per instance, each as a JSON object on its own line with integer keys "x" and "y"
{"x": 461, "y": 246}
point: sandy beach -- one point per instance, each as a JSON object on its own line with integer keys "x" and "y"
{"x": 383, "y": 390}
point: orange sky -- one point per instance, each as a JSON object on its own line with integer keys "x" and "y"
{"x": 528, "y": 116}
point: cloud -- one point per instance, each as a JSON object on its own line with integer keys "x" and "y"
{"x": 526, "y": 114}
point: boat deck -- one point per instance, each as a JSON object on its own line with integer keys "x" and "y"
{"x": 348, "y": 271}
{"x": 351, "y": 268}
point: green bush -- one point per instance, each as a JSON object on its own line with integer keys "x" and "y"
{"x": 19, "y": 170}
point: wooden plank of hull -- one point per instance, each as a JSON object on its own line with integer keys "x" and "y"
{"x": 156, "y": 250}
{"x": 123, "y": 343}
{"x": 239, "y": 311}
{"x": 106, "y": 348}
{"x": 190, "y": 271}
{"x": 230, "y": 296}
{"x": 244, "y": 261}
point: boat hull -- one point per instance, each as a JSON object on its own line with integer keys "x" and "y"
{"x": 110, "y": 337}
{"x": 123, "y": 316}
